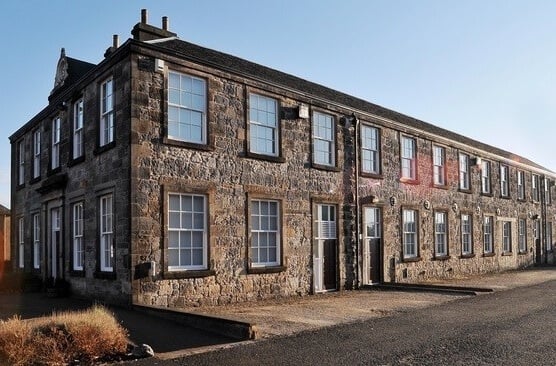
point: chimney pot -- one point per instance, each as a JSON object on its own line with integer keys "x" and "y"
{"x": 144, "y": 16}
{"x": 115, "y": 41}
{"x": 165, "y": 23}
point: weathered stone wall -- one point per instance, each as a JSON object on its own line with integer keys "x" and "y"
{"x": 453, "y": 201}
{"x": 230, "y": 177}
{"x": 100, "y": 171}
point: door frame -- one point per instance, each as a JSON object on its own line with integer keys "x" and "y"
{"x": 366, "y": 273}
{"x": 318, "y": 249}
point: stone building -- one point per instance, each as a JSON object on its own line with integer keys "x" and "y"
{"x": 174, "y": 175}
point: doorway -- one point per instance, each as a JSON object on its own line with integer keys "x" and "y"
{"x": 325, "y": 251}
{"x": 372, "y": 245}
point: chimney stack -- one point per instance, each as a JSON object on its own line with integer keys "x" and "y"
{"x": 115, "y": 41}
{"x": 144, "y": 16}
{"x": 165, "y": 23}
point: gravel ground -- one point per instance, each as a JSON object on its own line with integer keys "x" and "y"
{"x": 289, "y": 316}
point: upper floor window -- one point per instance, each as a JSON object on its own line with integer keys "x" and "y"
{"x": 187, "y": 232}
{"x": 263, "y": 125}
{"x": 466, "y": 235}
{"x": 187, "y": 108}
{"x": 464, "y": 171}
{"x": 535, "y": 189}
{"x": 485, "y": 177}
{"x": 547, "y": 191}
{"x": 55, "y": 147}
{"x": 506, "y": 236}
{"x": 21, "y": 162}
{"x": 78, "y": 129}
{"x": 409, "y": 234}
{"x": 265, "y": 233}
{"x": 522, "y": 235}
{"x": 488, "y": 223}
{"x": 504, "y": 181}
{"x": 36, "y": 153}
{"x": 323, "y": 139}
{"x": 520, "y": 185}
{"x": 439, "y": 165}
{"x": 370, "y": 154}
{"x": 440, "y": 233}
{"x": 106, "y": 233}
{"x": 409, "y": 158}
{"x": 106, "y": 112}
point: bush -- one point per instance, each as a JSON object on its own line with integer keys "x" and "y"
{"x": 64, "y": 338}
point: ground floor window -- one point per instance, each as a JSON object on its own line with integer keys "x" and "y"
{"x": 187, "y": 232}
{"x": 106, "y": 234}
{"x": 487, "y": 234}
{"x": 36, "y": 241}
{"x": 549, "y": 236}
{"x": 466, "y": 235}
{"x": 410, "y": 239}
{"x": 440, "y": 237}
{"x": 522, "y": 235}
{"x": 507, "y": 237}
{"x": 21, "y": 242}
{"x": 264, "y": 233}
{"x": 78, "y": 250}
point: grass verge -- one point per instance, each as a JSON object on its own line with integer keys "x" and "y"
{"x": 81, "y": 337}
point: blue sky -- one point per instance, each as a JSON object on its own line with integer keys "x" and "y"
{"x": 485, "y": 69}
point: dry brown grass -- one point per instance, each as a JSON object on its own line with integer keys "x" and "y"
{"x": 62, "y": 338}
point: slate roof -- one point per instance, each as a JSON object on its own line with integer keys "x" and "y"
{"x": 4, "y": 210}
{"x": 240, "y": 66}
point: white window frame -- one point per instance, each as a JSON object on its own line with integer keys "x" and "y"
{"x": 36, "y": 241}
{"x": 408, "y": 147}
{"x": 506, "y": 236}
{"x": 522, "y": 235}
{"x": 324, "y": 145}
{"x": 488, "y": 230}
{"x": 106, "y": 126}
{"x": 78, "y": 129}
{"x": 257, "y": 227}
{"x": 37, "y": 153}
{"x": 263, "y": 122}
{"x": 187, "y": 98}
{"x": 466, "y": 234}
{"x": 410, "y": 233}
{"x": 106, "y": 226}
{"x": 187, "y": 222}
{"x": 21, "y": 162}
{"x": 77, "y": 237}
{"x": 547, "y": 192}
{"x": 370, "y": 149}
{"x": 504, "y": 180}
{"x": 21, "y": 241}
{"x": 55, "y": 146}
{"x": 535, "y": 189}
{"x": 440, "y": 233}
{"x": 486, "y": 186}
{"x": 439, "y": 165}
{"x": 520, "y": 185}
{"x": 463, "y": 162}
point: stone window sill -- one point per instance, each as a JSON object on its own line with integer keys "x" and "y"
{"x": 507, "y": 254}
{"x": 272, "y": 159}
{"x": 466, "y": 256}
{"x": 325, "y": 167}
{"x": 489, "y": 254}
{"x": 371, "y": 175}
{"x": 411, "y": 259}
{"x": 173, "y": 275}
{"x": 262, "y": 270}
{"x": 522, "y": 253}
{"x": 441, "y": 258}
{"x": 105, "y": 275}
{"x": 188, "y": 145}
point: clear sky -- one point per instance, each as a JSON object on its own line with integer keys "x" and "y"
{"x": 484, "y": 69}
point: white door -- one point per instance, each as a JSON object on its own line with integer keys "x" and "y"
{"x": 54, "y": 241}
{"x": 325, "y": 250}
{"x": 372, "y": 245}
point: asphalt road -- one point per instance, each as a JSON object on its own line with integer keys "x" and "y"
{"x": 514, "y": 327}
